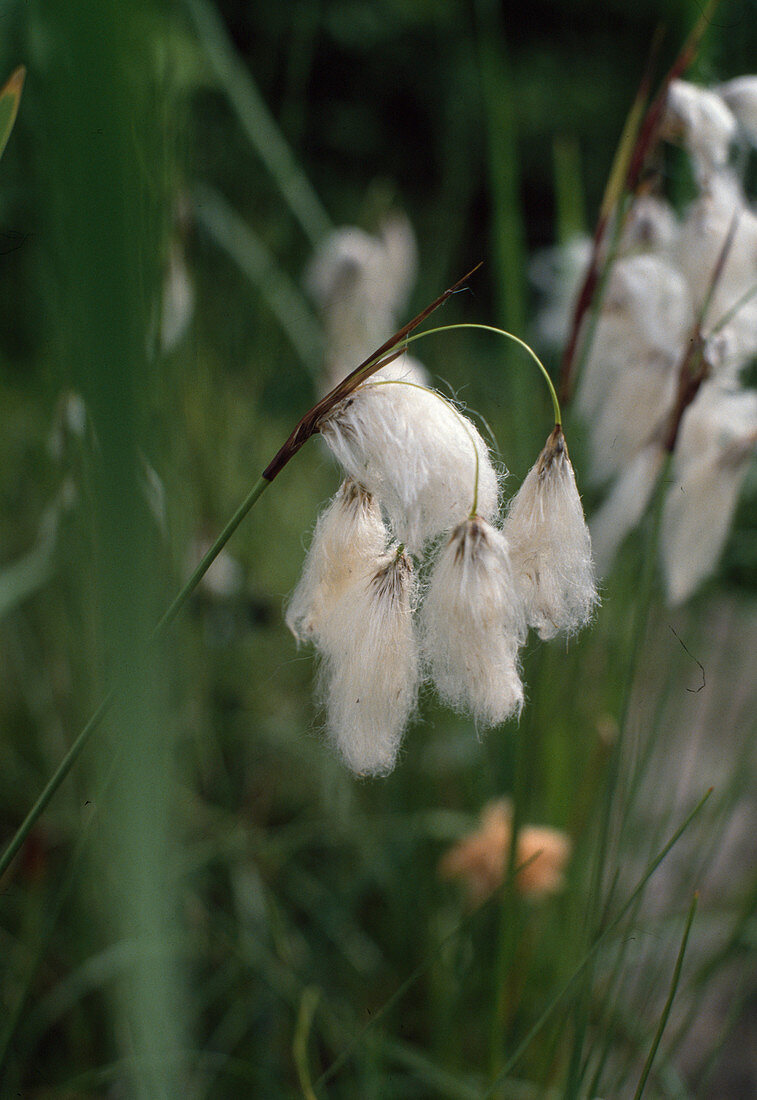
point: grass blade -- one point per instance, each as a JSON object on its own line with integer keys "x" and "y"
{"x": 669, "y": 1002}
{"x": 258, "y": 122}
{"x": 547, "y": 1012}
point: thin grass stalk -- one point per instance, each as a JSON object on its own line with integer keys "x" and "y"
{"x": 308, "y": 1006}
{"x": 53, "y": 783}
{"x": 570, "y": 201}
{"x": 510, "y": 913}
{"x": 595, "y": 904}
{"x": 83, "y": 738}
{"x": 287, "y": 303}
{"x": 508, "y": 233}
{"x": 258, "y": 123}
{"x": 593, "y": 949}
{"x": 668, "y": 1003}
{"x": 412, "y": 978}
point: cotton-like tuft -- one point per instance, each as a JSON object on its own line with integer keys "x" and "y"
{"x": 703, "y": 122}
{"x": 369, "y": 676}
{"x": 472, "y": 625}
{"x": 550, "y": 546}
{"x": 741, "y": 96}
{"x": 717, "y": 440}
{"x": 424, "y": 460}
{"x": 704, "y": 232}
{"x": 629, "y": 382}
{"x": 358, "y": 283}
{"x": 651, "y": 225}
{"x": 557, "y": 274}
{"x": 349, "y": 539}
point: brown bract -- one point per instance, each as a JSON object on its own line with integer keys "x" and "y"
{"x": 387, "y": 353}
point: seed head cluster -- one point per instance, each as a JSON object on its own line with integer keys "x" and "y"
{"x": 670, "y": 343}
{"x": 412, "y": 576}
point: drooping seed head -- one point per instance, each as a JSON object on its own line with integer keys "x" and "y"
{"x": 550, "y": 545}
{"x": 349, "y": 539}
{"x": 472, "y": 625}
{"x": 369, "y": 675}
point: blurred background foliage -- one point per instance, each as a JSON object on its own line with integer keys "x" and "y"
{"x": 211, "y": 905}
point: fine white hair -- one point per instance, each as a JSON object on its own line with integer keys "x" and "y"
{"x": 550, "y": 545}
{"x": 741, "y": 96}
{"x": 717, "y": 439}
{"x": 704, "y": 124}
{"x": 359, "y": 282}
{"x": 472, "y": 625}
{"x": 423, "y": 459}
{"x": 348, "y": 540}
{"x": 369, "y": 675}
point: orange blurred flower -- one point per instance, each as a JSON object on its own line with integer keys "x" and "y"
{"x": 480, "y": 860}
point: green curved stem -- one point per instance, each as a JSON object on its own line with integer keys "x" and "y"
{"x": 510, "y": 336}
{"x": 255, "y": 492}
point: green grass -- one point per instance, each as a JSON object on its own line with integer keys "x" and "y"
{"x": 208, "y": 904}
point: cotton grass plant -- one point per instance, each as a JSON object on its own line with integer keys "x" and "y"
{"x": 204, "y": 900}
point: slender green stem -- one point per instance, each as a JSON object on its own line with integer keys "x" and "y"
{"x": 595, "y": 906}
{"x": 419, "y": 971}
{"x": 510, "y": 336}
{"x": 248, "y": 251}
{"x": 594, "y": 948}
{"x": 254, "y": 494}
{"x": 510, "y": 915}
{"x": 669, "y": 1002}
{"x": 257, "y": 121}
{"x": 53, "y": 783}
{"x": 308, "y": 1005}
{"x": 73, "y": 753}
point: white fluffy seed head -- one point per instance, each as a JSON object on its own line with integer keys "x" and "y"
{"x": 557, "y": 274}
{"x": 472, "y": 625}
{"x": 741, "y": 96}
{"x": 424, "y": 460}
{"x": 550, "y": 545}
{"x": 369, "y": 675}
{"x": 702, "y": 121}
{"x": 717, "y": 439}
{"x": 628, "y": 383}
{"x": 651, "y": 225}
{"x": 635, "y": 407}
{"x": 704, "y": 232}
{"x": 348, "y": 540}
{"x": 358, "y": 283}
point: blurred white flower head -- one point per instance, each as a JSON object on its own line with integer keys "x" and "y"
{"x": 668, "y": 343}
{"x": 701, "y": 120}
{"x": 740, "y": 94}
{"x": 359, "y": 284}
{"x": 717, "y": 441}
